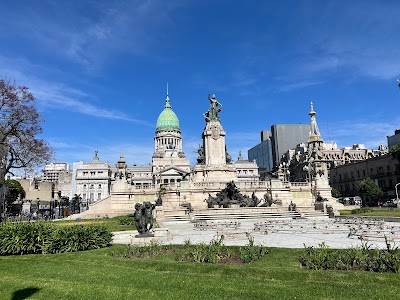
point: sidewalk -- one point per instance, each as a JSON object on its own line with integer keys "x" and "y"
{"x": 294, "y": 235}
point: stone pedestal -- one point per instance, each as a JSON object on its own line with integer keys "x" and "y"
{"x": 214, "y": 144}
{"x": 215, "y": 168}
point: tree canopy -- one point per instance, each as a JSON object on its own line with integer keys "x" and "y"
{"x": 395, "y": 152}
{"x": 14, "y": 190}
{"x": 20, "y": 125}
{"x": 370, "y": 189}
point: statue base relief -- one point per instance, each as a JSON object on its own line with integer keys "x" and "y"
{"x": 222, "y": 173}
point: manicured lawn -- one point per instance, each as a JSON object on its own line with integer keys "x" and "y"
{"x": 111, "y": 224}
{"x": 96, "y": 275}
{"x": 377, "y": 212}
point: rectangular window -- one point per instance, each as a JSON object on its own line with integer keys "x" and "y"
{"x": 99, "y": 196}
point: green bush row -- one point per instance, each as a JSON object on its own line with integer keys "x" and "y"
{"x": 361, "y": 210}
{"x": 41, "y": 237}
{"x": 362, "y": 258}
{"x": 142, "y": 251}
{"x": 214, "y": 252}
{"x": 126, "y": 220}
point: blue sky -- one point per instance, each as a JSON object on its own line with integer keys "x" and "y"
{"x": 99, "y": 69}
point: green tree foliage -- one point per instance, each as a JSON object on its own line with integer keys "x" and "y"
{"x": 43, "y": 237}
{"x": 76, "y": 202}
{"x": 395, "y": 152}
{"x": 14, "y": 190}
{"x": 370, "y": 190}
{"x": 335, "y": 193}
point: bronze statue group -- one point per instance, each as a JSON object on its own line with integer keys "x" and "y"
{"x": 144, "y": 218}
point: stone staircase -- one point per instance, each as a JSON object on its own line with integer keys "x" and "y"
{"x": 309, "y": 212}
{"x": 230, "y": 214}
{"x": 315, "y": 215}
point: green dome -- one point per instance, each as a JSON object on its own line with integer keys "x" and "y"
{"x": 167, "y": 120}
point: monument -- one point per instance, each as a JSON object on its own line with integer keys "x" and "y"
{"x": 215, "y": 181}
{"x": 144, "y": 219}
{"x": 214, "y": 163}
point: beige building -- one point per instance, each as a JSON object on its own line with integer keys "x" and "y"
{"x": 39, "y": 190}
{"x": 326, "y": 153}
{"x": 384, "y": 170}
{"x": 246, "y": 170}
{"x": 93, "y": 180}
{"x": 53, "y": 170}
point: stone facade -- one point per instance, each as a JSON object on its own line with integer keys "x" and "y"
{"x": 246, "y": 170}
{"x": 53, "y": 170}
{"x": 394, "y": 139}
{"x": 384, "y": 170}
{"x": 93, "y": 180}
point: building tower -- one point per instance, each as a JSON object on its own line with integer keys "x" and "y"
{"x": 315, "y": 140}
{"x": 168, "y": 153}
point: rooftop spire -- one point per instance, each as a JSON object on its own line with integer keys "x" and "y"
{"x": 167, "y": 100}
{"x": 314, "y": 132}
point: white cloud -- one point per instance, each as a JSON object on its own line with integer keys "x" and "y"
{"x": 64, "y": 30}
{"x": 370, "y": 133}
{"x": 56, "y": 95}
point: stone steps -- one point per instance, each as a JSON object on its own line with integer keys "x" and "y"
{"x": 315, "y": 215}
{"x": 245, "y": 216}
{"x": 229, "y": 216}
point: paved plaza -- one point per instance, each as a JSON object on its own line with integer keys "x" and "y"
{"x": 339, "y": 233}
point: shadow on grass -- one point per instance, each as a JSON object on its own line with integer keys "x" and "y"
{"x": 24, "y": 293}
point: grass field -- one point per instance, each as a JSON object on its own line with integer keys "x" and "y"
{"x": 377, "y": 212}
{"x": 96, "y": 275}
{"x": 111, "y": 224}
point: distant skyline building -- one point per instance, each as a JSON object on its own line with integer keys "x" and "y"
{"x": 262, "y": 152}
{"x": 52, "y": 171}
{"x": 285, "y": 137}
{"x": 276, "y": 142}
{"x": 393, "y": 140}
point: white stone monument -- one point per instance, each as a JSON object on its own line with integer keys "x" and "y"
{"x": 213, "y": 163}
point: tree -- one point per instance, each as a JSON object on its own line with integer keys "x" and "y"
{"x": 395, "y": 152}
{"x": 370, "y": 191}
{"x": 335, "y": 193}
{"x": 20, "y": 125}
{"x": 76, "y": 200}
{"x": 14, "y": 191}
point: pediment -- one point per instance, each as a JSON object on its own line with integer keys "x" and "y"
{"x": 173, "y": 171}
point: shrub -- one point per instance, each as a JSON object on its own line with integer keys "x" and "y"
{"x": 214, "y": 252}
{"x": 252, "y": 252}
{"x": 362, "y": 258}
{"x": 361, "y": 210}
{"x": 126, "y": 220}
{"x": 145, "y": 251}
{"x": 24, "y": 238}
{"x": 39, "y": 237}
